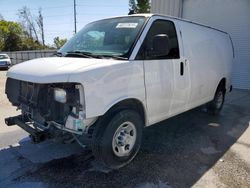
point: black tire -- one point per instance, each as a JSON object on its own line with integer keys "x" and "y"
{"x": 214, "y": 107}
{"x": 103, "y": 137}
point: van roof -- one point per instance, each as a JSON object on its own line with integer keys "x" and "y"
{"x": 176, "y": 18}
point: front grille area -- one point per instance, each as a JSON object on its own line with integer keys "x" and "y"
{"x": 37, "y": 100}
{"x": 29, "y": 93}
{"x": 12, "y": 90}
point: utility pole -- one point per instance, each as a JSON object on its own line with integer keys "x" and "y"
{"x": 75, "y": 15}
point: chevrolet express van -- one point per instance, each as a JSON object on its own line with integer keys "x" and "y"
{"x": 117, "y": 76}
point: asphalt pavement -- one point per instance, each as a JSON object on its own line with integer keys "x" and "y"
{"x": 193, "y": 149}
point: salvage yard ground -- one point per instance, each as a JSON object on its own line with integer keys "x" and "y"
{"x": 192, "y": 149}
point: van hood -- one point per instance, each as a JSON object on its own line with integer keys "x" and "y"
{"x": 54, "y": 69}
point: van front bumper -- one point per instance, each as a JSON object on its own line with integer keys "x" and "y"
{"x": 23, "y": 122}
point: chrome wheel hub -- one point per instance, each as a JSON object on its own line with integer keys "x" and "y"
{"x": 124, "y": 139}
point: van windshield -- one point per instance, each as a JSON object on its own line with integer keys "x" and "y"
{"x": 105, "y": 38}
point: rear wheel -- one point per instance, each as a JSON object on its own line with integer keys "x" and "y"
{"x": 116, "y": 141}
{"x": 214, "y": 107}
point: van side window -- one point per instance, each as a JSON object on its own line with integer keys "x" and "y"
{"x": 160, "y": 27}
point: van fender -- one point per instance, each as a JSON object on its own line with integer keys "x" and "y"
{"x": 123, "y": 99}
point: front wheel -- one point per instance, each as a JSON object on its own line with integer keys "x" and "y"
{"x": 214, "y": 107}
{"x": 117, "y": 141}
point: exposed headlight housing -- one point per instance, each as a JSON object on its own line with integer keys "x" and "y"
{"x": 60, "y": 95}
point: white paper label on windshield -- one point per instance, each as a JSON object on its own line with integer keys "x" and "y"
{"x": 126, "y": 25}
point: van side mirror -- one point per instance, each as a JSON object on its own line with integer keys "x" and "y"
{"x": 160, "y": 46}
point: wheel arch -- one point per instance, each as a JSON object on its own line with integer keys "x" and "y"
{"x": 221, "y": 83}
{"x": 128, "y": 103}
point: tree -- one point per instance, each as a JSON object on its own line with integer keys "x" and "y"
{"x": 59, "y": 42}
{"x": 31, "y": 44}
{"x": 143, "y": 6}
{"x": 28, "y": 22}
{"x": 32, "y": 25}
{"x": 39, "y": 22}
{"x": 1, "y": 17}
{"x": 132, "y": 7}
{"x": 13, "y": 37}
{"x": 10, "y": 36}
{"x": 139, "y": 6}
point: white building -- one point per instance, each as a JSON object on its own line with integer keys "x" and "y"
{"x": 232, "y": 16}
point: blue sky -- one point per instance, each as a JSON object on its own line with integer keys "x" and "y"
{"x": 58, "y": 14}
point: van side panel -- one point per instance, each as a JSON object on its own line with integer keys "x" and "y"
{"x": 227, "y": 55}
{"x": 209, "y": 54}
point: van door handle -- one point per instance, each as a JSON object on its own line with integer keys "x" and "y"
{"x": 182, "y": 68}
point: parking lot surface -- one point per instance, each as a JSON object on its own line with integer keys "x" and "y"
{"x": 193, "y": 149}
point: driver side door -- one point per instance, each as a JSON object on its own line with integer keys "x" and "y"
{"x": 161, "y": 73}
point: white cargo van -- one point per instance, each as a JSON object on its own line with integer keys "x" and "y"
{"x": 117, "y": 76}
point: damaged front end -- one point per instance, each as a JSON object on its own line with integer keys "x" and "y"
{"x": 47, "y": 108}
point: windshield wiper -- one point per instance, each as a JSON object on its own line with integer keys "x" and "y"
{"x": 90, "y": 55}
{"x": 111, "y": 56}
{"x": 58, "y": 54}
{"x": 79, "y": 53}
